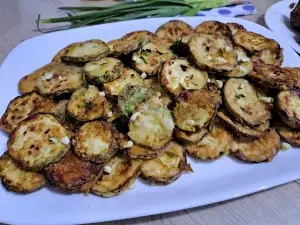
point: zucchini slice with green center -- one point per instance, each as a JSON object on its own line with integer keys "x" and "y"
{"x": 290, "y": 135}
{"x": 87, "y": 104}
{"x": 72, "y": 174}
{"x": 121, "y": 175}
{"x": 14, "y": 178}
{"x": 103, "y": 70}
{"x": 96, "y": 141}
{"x": 213, "y": 27}
{"x": 85, "y": 51}
{"x": 235, "y": 27}
{"x": 243, "y": 101}
{"x": 270, "y": 56}
{"x": 213, "y": 51}
{"x": 167, "y": 167}
{"x": 39, "y": 140}
{"x": 151, "y": 125}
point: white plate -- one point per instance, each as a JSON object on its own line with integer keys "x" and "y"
{"x": 211, "y": 182}
{"x": 277, "y": 18}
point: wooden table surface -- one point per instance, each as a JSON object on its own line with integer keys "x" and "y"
{"x": 280, "y": 205}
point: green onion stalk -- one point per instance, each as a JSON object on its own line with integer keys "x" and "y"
{"x": 79, "y": 16}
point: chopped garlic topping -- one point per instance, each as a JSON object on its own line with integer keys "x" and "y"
{"x": 285, "y": 146}
{"x": 65, "y": 140}
{"x": 47, "y": 76}
{"x": 208, "y": 80}
{"x": 53, "y": 140}
{"x": 107, "y": 169}
{"x": 134, "y": 116}
{"x": 143, "y": 75}
{"x": 266, "y": 99}
{"x": 221, "y": 60}
{"x": 244, "y": 59}
{"x": 191, "y": 122}
{"x": 242, "y": 86}
{"x": 102, "y": 93}
{"x": 219, "y": 84}
{"x": 158, "y": 94}
{"x": 60, "y": 78}
{"x": 128, "y": 144}
{"x": 109, "y": 114}
{"x": 227, "y": 49}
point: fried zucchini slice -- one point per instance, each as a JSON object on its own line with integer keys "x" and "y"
{"x": 243, "y": 102}
{"x": 288, "y": 103}
{"x": 39, "y": 140}
{"x": 142, "y": 36}
{"x": 18, "y": 109}
{"x": 122, "y": 47}
{"x": 131, "y": 96}
{"x": 167, "y": 167}
{"x": 129, "y": 76}
{"x": 123, "y": 174}
{"x": 103, "y": 70}
{"x": 173, "y": 30}
{"x": 270, "y": 56}
{"x": 140, "y": 152}
{"x": 194, "y": 110}
{"x": 96, "y": 141}
{"x": 290, "y": 135}
{"x": 72, "y": 174}
{"x": 243, "y": 67}
{"x": 213, "y": 51}
{"x": 274, "y": 77}
{"x": 151, "y": 56}
{"x": 190, "y": 137}
{"x": 262, "y": 149}
{"x": 155, "y": 85}
{"x": 178, "y": 75}
{"x": 151, "y": 125}
{"x": 216, "y": 143}
{"x": 14, "y": 178}
{"x": 243, "y": 130}
{"x": 213, "y": 27}
{"x": 235, "y": 27}
{"x": 86, "y": 103}
{"x": 82, "y": 52}
{"x": 59, "y": 79}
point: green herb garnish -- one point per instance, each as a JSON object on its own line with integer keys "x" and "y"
{"x": 240, "y": 96}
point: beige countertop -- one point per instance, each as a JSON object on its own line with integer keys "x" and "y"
{"x": 280, "y": 205}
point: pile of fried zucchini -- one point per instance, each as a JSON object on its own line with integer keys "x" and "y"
{"x": 100, "y": 115}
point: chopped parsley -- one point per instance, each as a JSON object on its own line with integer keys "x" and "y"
{"x": 220, "y": 52}
{"x": 240, "y": 96}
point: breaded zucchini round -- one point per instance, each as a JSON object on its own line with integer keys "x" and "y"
{"x": 60, "y": 79}
{"x": 129, "y": 76}
{"x": 193, "y": 110}
{"x": 167, "y": 167}
{"x": 122, "y": 47}
{"x": 121, "y": 173}
{"x": 242, "y": 101}
{"x": 142, "y": 36}
{"x": 190, "y": 137}
{"x": 178, "y": 75}
{"x": 39, "y": 140}
{"x": 270, "y": 56}
{"x": 213, "y": 27}
{"x": 151, "y": 125}
{"x": 288, "y": 103}
{"x": 140, "y": 152}
{"x": 14, "y": 178}
{"x": 235, "y": 27}
{"x": 151, "y": 56}
{"x": 290, "y": 135}
{"x": 213, "y": 51}
{"x": 131, "y": 96}
{"x": 18, "y": 109}
{"x": 262, "y": 149}
{"x": 87, "y": 103}
{"x": 96, "y": 141}
{"x": 243, "y": 67}
{"x": 72, "y": 174}
{"x": 243, "y": 130}
{"x": 103, "y": 70}
{"x": 82, "y": 52}
{"x": 174, "y": 30}
{"x": 216, "y": 143}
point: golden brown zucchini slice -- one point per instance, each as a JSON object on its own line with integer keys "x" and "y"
{"x": 14, "y": 178}
{"x": 213, "y": 51}
{"x": 131, "y": 96}
{"x": 96, "y": 141}
{"x": 18, "y": 109}
{"x": 154, "y": 83}
{"x": 85, "y": 51}
{"x": 178, "y": 75}
{"x": 242, "y": 129}
{"x": 122, "y": 47}
{"x": 244, "y": 65}
{"x": 262, "y": 149}
{"x": 121, "y": 173}
{"x": 190, "y": 137}
{"x": 39, "y": 140}
{"x": 270, "y": 56}
{"x": 213, "y": 27}
{"x": 60, "y": 79}
{"x": 288, "y": 103}
{"x": 151, "y": 125}
{"x": 216, "y": 143}
{"x": 103, "y": 70}
{"x": 129, "y": 76}
{"x": 72, "y": 174}
{"x": 194, "y": 110}
{"x": 151, "y": 56}
{"x": 140, "y": 152}
{"x": 142, "y": 36}
{"x": 167, "y": 167}
{"x": 174, "y": 30}
{"x": 235, "y": 27}
{"x": 290, "y": 135}
{"x": 87, "y": 103}
{"x": 243, "y": 102}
